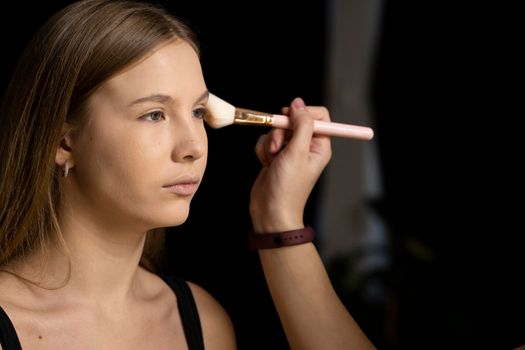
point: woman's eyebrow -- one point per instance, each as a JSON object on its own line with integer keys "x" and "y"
{"x": 203, "y": 96}
{"x": 153, "y": 98}
{"x": 162, "y": 98}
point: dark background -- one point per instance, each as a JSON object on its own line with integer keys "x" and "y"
{"x": 448, "y": 158}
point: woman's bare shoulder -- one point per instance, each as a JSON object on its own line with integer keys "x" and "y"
{"x": 216, "y": 324}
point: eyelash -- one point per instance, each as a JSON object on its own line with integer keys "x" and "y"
{"x": 202, "y": 113}
{"x": 146, "y": 116}
{"x": 199, "y": 113}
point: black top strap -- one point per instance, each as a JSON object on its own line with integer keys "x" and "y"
{"x": 8, "y": 337}
{"x": 188, "y": 312}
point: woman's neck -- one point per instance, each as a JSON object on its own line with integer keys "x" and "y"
{"x": 95, "y": 265}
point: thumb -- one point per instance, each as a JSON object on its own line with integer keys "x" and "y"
{"x": 302, "y": 125}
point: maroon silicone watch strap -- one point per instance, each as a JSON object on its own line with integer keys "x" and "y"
{"x": 280, "y": 239}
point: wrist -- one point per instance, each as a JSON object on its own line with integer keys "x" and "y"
{"x": 277, "y": 225}
{"x": 276, "y": 219}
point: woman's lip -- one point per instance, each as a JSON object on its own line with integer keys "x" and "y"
{"x": 183, "y": 186}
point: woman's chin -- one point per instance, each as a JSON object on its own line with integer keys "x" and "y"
{"x": 175, "y": 219}
{"x": 167, "y": 217}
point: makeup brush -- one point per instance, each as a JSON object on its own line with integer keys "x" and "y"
{"x": 221, "y": 113}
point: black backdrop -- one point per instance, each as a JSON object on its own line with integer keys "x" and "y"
{"x": 442, "y": 169}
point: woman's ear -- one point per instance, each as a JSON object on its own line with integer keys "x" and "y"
{"x": 64, "y": 149}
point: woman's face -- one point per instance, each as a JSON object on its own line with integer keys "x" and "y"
{"x": 141, "y": 154}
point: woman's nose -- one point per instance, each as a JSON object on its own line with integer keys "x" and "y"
{"x": 190, "y": 141}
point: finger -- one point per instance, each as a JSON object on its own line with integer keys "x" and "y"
{"x": 302, "y": 125}
{"x": 285, "y": 110}
{"x": 321, "y": 144}
{"x": 277, "y": 138}
{"x": 260, "y": 147}
{"x": 319, "y": 113}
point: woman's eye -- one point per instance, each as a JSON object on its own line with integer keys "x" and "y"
{"x": 199, "y": 113}
{"x": 154, "y": 116}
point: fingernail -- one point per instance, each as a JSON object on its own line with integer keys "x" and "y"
{"x": 273, "y": 146}
{"x": 298, "y": 103}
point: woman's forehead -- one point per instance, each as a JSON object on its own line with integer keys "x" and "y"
{"x": 173, "y": 69}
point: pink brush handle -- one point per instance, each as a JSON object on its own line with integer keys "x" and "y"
{"x": 329, "y": 128}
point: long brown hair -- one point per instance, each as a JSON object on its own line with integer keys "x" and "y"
{"x": 72, "y": 54}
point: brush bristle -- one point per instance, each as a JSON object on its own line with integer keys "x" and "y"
{"x": 219, "y": 112}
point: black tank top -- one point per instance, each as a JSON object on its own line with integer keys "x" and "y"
{"x": 186, "y": 303}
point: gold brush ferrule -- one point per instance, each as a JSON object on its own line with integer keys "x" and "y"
{"x": 250, "y": 117}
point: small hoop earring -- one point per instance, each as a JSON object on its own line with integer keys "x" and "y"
{"x": 65, "y": 170}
